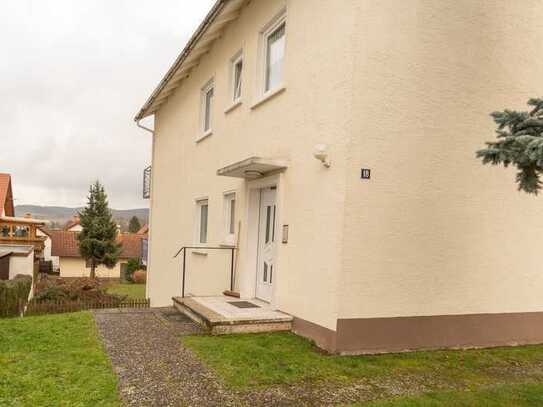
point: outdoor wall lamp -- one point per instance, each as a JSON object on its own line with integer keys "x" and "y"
{"x": 321, "y": 154}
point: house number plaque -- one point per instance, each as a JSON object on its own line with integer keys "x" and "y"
{"x": 365, "y": 173}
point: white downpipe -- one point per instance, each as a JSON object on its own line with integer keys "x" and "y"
{"x": 150, "y": 239}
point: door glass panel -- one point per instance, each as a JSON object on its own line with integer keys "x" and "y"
{"x": 265, "y": 277}
{"x": 203, "y": 223}
{"x": 232, "y": 226}
{"x": 273, "y": 225}
{"x": 268, "y": 216}
{"x": 271, "y": 273}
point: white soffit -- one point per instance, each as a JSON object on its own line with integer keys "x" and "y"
{"x": 252, "y": 168}
{"x": 211, "y": 29}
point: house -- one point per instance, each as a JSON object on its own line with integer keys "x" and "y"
{"x": 74, "y": 224}
{"x": 6, "y": 196}
{"x": 21, "y": 246}
{"x": 144, "y": 233}
{"x": 45, "y": 232}
{"x": 65, "y": 246}
{"x": 332, "y": 145}
{"x": 16, "y": 259}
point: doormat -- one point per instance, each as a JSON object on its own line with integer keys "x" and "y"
{"x": 243, "y": 304}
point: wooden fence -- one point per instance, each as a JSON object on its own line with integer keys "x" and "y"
{"x": 40, "y": 307}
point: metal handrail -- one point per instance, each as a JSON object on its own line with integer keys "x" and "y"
{"x": 184, "y": 250}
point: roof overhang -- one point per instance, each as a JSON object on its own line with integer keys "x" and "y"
{"x": 30, "y": 221}
{"x": 253, "y": 167}
{"x": 15, "y": 250}
{"x": 220, "y": 15}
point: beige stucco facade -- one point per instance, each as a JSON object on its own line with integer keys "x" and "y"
{"x": 75, "y": 267}
{"x": 403, "y": 88}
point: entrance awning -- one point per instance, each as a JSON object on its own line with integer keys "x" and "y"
{"x": 252, "y": 168}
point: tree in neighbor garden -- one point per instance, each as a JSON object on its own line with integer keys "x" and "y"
{"x": 519, "y": 142}
{"x": 97, "y": 240}
{"x": 134, "y": 225}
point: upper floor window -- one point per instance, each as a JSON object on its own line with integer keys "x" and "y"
{"x": 207, "y": 106}
{"x": 237, "y": 71}
{"x": 274, "y": 54}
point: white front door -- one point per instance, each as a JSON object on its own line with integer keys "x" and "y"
{"x": 265, "y": 272}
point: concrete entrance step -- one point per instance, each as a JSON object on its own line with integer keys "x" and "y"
{"x": 219, "y": 317}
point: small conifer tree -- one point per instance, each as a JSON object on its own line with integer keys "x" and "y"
{"x": 98, "y": 239}
{"x": 134, "y": 225}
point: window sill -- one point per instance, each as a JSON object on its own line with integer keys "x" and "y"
{"x": 227, "y": 245}
{"x": 203, "y": 136}
{"x": 199, "y": 252}
{"x": 269, "y": 95}
{"x": 232, "y": 106}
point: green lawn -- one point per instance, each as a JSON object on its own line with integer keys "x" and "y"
{"x": 54, "y": 360}
{"x": 130, "y": 290}
{"x": 518, "y": 395}
{"x": 248, "y": 361}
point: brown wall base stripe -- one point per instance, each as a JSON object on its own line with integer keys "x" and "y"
{"x": 379, "y": 335}
{"x": 324, "y": 338}
{"x": 375, "y": 335}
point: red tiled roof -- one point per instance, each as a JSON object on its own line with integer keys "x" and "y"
{"x": 72, "y": 222}
{"x": 6, "y": 200}
{"x": 131, "y": 245}
{"x": 65, "y": 244}
{"x": 144, "y": 230}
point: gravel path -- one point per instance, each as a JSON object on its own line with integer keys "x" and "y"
{"x": 153, "y": 367}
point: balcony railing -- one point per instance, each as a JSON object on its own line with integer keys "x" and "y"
{"x": 147, "y": 183}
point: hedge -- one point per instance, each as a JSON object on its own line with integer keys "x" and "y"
{"x": 14, "y": 295}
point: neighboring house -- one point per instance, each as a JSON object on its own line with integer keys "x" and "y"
{"x": 20, "y": 243}
{"x": 74, "y": 224}
{"x": 46, "y": 233}
{"x": 6, "y": 196}
{"x": 333, "y": 143}
{"x": 144, "y": 233}
{"x": 16, "y": 259}
{"x": 66, "y": 247}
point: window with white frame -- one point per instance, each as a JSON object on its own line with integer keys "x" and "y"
{"x": 208, "y": 92}
{"x": 236, "y": 73}
{"x": 274, "y": 53}
{"x": 202, "y": 212}
{"x": 230, "y": 217}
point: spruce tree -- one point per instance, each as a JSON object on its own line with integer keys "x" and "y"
{"x": 97, "y": 240}
{"x": 519, "y": 143}
{"x": 134, "y": 225}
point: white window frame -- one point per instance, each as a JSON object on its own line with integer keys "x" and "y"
{"x": 205, "y": 132}
{"x": 266, "y": 32}
{"x": 230, "y": 235}
{"x": 236, "y": 59}
{"x": 200, "y": 202}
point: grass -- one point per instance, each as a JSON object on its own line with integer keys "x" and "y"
{"x": 130, "y": 290}
{"x": 54, "y": 360}
{"x": 519, "y": 395}
{"x": 248, "y": 361}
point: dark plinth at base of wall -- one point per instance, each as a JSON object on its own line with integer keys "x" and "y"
{"x": 401, "y": 334}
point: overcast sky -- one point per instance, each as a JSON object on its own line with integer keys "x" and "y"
{"x": 73, "y": 74}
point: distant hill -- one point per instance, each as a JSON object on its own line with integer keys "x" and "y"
{"x": 59, "y": 215}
